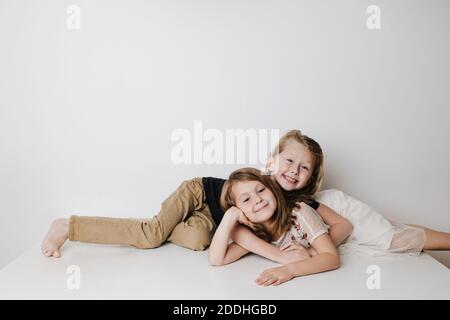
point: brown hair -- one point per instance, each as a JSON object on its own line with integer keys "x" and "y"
{"x": 313, "y": 186}
{"x": 282, "y": 219}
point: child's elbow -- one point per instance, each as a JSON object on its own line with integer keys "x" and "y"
{"x": 335, "y": 262}
{"x": 348, "y": 228}
{"x": 215, "y": 262}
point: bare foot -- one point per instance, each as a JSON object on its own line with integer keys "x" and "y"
{"x": 56, "y": 236}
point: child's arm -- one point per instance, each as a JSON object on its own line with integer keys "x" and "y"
{"x": 251, "y": 242}
{"x": 326, "y": 259}
{"x": 220, "y": 251}
{"x": 340, "y": 228}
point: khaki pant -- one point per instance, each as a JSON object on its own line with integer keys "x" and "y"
{"x": 184, "y": 219}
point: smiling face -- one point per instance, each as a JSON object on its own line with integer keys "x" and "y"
{"x": 254, "y": 199}
{"x": 292, "y": 168}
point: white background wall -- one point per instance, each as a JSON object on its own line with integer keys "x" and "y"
{"x": 86, "y": 116}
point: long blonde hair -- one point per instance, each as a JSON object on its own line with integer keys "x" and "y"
{"x": 315, "y": 181}
{"x": 281, "y": 219}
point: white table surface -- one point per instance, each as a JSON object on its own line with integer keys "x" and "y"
{"x": 171, "y": 272}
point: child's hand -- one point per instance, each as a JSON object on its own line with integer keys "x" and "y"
{"x": 289, "y": 246}
{"x": 240, "y": 217}
{"x": 274, "y": 276}
{"x": 292, "y": 256}
{"x": 312, "y": 252}
{"x": 292, "y": 252}
{"x": 234, "y": 212}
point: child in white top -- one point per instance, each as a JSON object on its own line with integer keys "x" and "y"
{"x": 297, "y": 166}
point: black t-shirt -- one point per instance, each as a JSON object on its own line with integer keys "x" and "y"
{"x": 213, "y": 189}
{"x": 314, "y": 204}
